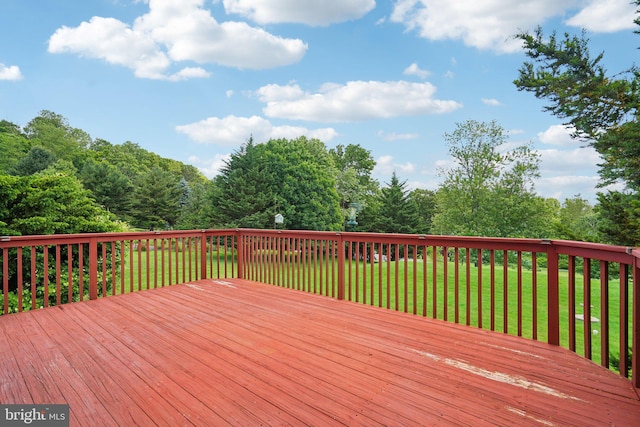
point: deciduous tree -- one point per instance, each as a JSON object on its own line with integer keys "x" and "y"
{"x": 489, "y": 191}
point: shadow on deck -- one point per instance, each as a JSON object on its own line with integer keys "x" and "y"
{"x": 236, "y": 352}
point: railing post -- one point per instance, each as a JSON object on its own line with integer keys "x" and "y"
{"x": 203, "y": 255}
{"x": 238, "y": 235}
{"x": 553, "y": 295}
{"x": 341, "y": 266}
{"x": 635, "y": 345}
{"x": 93, "y": 268}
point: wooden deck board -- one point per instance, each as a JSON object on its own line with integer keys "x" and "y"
{"x": 242, "y": 353}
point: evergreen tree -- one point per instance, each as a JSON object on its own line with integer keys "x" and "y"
{"x": 36, "y": 160}
{"x": 601, "y": 109}
{"x": 156, "y": 200}
{"x": 111, "y": 188}
{"x": 396, "y": 211}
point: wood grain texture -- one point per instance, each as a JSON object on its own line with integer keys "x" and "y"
{"x": 236, "y": 352}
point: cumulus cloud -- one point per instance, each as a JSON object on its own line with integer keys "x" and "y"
{"x": 353, "y": 101}
{"x": 490, "y": 24}
{"x": 171, "y": 32}
{"x": 10, "y": 72}
{"x": 576, "y": 160}
{"x": 557, "y": 135}
{"x": 386, "y": 165}
{"x": 233, "y": 131}
{"x": 491, "y": 102}
{"x": 314, "y": 12}
{"x": 566, "y": 186}
{"x": 396, "y": 136}
{"x": 210, "y": 167}
{"x": 605, "y": 16}
{"x": 414, "y": 70}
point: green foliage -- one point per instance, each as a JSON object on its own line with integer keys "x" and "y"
{"x": 296, "y": 177}
{"x": 577, "y": 220}
{"x": 13, "y": 145}
{"x": 396, "y": 211}
{"x": 156, "y": 200}
{"x": 110, "y": 188}
{"x": 354, "y": 184}
{"x": 602, "y": 109}
{"x": 489, "y": 191}
{"x": 195, "y": 209}
{"x": 50, "y": 203}
{"x": 53, "y": 132}
{"x": 36, "y": 160}
{"x": 425, "y": 206}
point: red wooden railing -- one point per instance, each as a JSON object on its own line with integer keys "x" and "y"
{"x": 583, "y": 296}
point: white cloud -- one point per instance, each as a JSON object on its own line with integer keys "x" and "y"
{"x": 353, "y": 101}
{"x": 488, "y": 24}
{"x": 567, "y": 161}
{"x": 233, "y": 131}
{"x": 491, "y": 102}
{"x": 414, "y": 70}
{"x": 210, "y": 167}
{"x": 566, "y": 186}
{"x": 386, "y": 165}
{"x": 311, "y": 12}
{"x": 557, "y": 135}
{"x": 171, "y": 32}
{"x": 605, "y": 16}
{"x": 10, "y": 72}
{"x": 396, "y": 136}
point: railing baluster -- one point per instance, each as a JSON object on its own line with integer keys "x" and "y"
{"x": 45, "y": 274}
{"x": 479, "y": 288}
{"x": 624, "y": 320}
{"x": 5, "y": 279}
{"x": 586, "y": 298}
{"x": 34, "y": 292}
{"x": 492, "y": 260}
{"x": 534, "y": 295}
{"x": 520, "y": 294}
{"x": 604, "y": 314}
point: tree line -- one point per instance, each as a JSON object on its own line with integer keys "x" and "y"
{"x": 56, "y": 179}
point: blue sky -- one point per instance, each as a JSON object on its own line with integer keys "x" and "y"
{"x": 194, "y": 79}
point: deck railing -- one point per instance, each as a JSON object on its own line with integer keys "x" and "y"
{"x": 583, "y": 296}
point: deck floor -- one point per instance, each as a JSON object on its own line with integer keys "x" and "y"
{"x": 235, "y": 352}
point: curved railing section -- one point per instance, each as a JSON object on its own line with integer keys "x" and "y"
{"x": 583, "y": 296}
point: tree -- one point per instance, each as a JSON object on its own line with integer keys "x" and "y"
{"x": 425, "y": 206}
{"x": 50, "y": 203}
{"x": 53, "y": 132}
{"x": 577, "y": 220}
{"x": 295, "y": 177}
{"x": 111, "y": 188}
{"x": 489, "y": 191}
{"x": 354, "y": 184}
{"x": 36, "y": 160}
{"x": 603, "y": 110}
{"x": 195, "y": 211}
{"x": 156, "y": 200}
{"x": 396, "y": 211}
{"x": 13, "y": 145}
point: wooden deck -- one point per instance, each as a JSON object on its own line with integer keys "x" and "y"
{"x": 235, "y": 352}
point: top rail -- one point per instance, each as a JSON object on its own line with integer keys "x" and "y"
{"x": 583, "y": 296}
